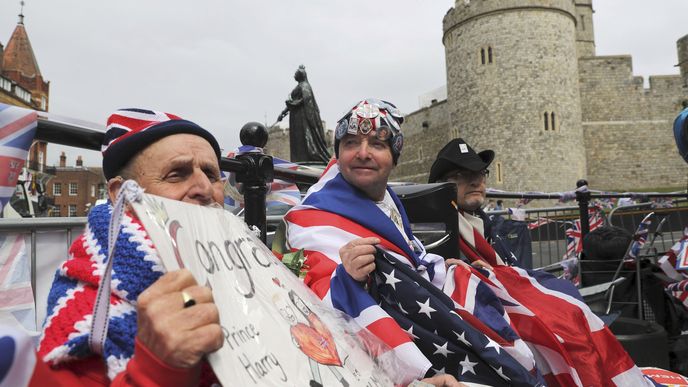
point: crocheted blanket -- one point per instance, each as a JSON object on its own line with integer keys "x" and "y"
{"x": 71, "y": 298}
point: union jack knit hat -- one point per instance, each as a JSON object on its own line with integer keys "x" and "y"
{"x": 129, "y": 131}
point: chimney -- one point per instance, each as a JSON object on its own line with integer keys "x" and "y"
{"x": 63, "y": 160}
{"x": 79, "y": 161}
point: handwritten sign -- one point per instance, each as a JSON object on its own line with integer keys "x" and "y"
{"x": 277, "y": 332}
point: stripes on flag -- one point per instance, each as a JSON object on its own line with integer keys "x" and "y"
{"x": 17, "y": 130}
{"x": 15, "y": 279}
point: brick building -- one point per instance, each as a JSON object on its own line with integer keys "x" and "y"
{"x": 75, "y": 189}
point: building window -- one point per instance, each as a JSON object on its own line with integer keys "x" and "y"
{"x": 550, "y": 120}
{"x": 23, "y": 94}
{"x": 93, "y": 190}
{"x": 101, "y": 191}
{"x": 420, "y": 153}
{"x": 57, "y": 189}
{"x": 72, "y": 210}
{"x": 5, "y": 84}
{"x": 44, "y": 103}
{"x": 454, "y": 133}
{"x": 498, "y": 175}
{"x": 486, "y": 55}
{"x": 582, "y": 22}
{"x": 73, "y": 189}
{"x": 55, "y": 211}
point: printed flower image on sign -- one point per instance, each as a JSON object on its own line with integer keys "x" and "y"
{"x": 277, "y": 333}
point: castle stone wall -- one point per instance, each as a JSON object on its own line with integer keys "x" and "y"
{"x": 628, "y": 136}
{"x": 426, "y": 131}
{"x": 501, "y": 105}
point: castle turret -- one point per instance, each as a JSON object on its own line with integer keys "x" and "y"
{"x": 682, "y": 46}
{"x": 585, "y": 33}
{"x": 512, "y": 83}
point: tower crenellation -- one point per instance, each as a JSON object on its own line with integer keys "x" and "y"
{"x": 585, "y": 31}
{"x": 682, "y": 48}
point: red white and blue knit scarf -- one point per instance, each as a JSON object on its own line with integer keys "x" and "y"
{"x": 70, "y": 301}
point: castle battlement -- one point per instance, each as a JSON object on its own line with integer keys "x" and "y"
{"x": 465, "y": 11}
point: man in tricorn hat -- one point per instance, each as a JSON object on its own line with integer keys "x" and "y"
{"x": 458, "y": 163}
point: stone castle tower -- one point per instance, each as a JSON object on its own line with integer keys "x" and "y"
{"x": 515, "y": 89}
{"x": 523, "y": 79}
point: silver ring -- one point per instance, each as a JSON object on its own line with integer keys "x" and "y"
{"x": 188, "y": 300}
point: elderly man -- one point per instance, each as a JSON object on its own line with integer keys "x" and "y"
{"x": 458, "y": 163}
{"x": 349, "y": 215}
{"x": 161, "y": 325}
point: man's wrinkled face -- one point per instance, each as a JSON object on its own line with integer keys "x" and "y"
{"x": 366, "y": 163}
{"x": 182, "y": 167}
{"x": 470, "y": 188}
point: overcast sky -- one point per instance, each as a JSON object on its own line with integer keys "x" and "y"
{"x": 223, "y": 63}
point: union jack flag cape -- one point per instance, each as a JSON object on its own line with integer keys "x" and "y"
{"x": 571, "y": 345}
{"x": 17, "y": 129}
{"x": 465, "y": 322}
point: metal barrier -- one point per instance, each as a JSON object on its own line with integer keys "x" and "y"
{"x": 549, "y": 239}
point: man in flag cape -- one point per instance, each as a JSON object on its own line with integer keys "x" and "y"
{"x": 348, "y": 216}
{"x": 362, "y": 258}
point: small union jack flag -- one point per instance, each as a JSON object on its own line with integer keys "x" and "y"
{"x": 573, "y": 234}
{"x": 640, "y": 236}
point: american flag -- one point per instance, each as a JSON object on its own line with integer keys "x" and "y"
{"x": 640, "y": 236}
{"x": 280, "y": 192}
{"x": 17, "y": 129}
{"x": 573, "y": 234}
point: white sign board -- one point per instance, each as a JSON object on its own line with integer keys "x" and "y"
{"x": 277, "y": 332}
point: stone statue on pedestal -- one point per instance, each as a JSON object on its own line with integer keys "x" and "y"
{"x": 306, "y": 133}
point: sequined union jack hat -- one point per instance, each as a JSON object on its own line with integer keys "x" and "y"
{"x": 129, "y": 131}
{"x": 373, "y": 115}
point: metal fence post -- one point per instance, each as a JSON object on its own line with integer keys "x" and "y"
{"x": 583, "y": 199}
{"x": 257, "y": 174}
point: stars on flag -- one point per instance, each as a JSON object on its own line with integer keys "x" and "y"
{"x": 442, "y": 349}
{"x": 425, "y": 307}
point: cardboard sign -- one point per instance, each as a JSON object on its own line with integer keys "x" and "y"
{"x": 277, "y": 332}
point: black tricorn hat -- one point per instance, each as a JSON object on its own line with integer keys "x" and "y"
{"x": 459, "y": 155}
